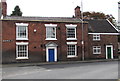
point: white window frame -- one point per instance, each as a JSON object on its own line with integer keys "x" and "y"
{"x": 51, "y": 26}
{"x": 71, "y": 26}
{"x": 96, "y": 48}
{"x": 72, "y": 43}
{"x": 20, "y": 25}
{"x": 21, "y": 43}
{"x": 96, "y": 37}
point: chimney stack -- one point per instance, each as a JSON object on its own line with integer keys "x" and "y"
{"x": 77, "y": 12}
{"x": 4, "y": 7}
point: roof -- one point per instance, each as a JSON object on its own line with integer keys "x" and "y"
{"x": 44, "y": 19}
{"x": 101, "y": 26}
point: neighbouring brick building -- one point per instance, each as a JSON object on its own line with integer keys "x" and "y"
{"x": 52, "y": 39}
{"x": 103, "y": 38}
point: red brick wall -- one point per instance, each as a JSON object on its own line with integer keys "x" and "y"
{"x": 8, "y": 48}
{"x": 37, "y": 49}
{"x": 105, "y": 40}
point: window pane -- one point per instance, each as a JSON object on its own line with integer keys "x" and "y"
{"x": 70, "y": 32}
{"x": 96, "y": 37}
{"x": 22, "y": 32}
{"x": 50, "y": 32}
{"x": 96, "y": 50}
{"x": 22, "y": 50}
{"x": 71, "y": 50}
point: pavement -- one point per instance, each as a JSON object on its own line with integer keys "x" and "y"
{"x": 53, "y": 63}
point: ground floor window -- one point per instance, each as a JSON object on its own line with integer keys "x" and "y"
{"x": 22, "y": 51}
{"x": 71, "y": 50}
{"x": 96, "y": 49}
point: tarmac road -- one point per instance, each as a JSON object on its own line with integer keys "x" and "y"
{"x": 94, "y": 70}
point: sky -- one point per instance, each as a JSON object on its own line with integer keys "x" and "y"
{"x": 62, "y": 8}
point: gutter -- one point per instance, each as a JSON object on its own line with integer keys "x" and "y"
{"x": 105, "y": 33}
{"x": 44, "y": 21}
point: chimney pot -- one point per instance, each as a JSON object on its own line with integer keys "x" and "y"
{"x": 4, "y": 7}
{"x": 3, "y": 0}
{"x": 77, "y": 12}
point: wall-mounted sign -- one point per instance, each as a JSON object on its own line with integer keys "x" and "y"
{"x": 7, "y": 40}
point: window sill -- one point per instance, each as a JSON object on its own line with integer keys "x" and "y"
{"x": 72, "y": 56}
{"x": 51, "y": 39}
{"x": 21, "y": 38}
{"x": 22, "y": 58}
{"x": 96, "y": 53}
{"x": 96, "y": 40}
{"x": 71, "y": 39}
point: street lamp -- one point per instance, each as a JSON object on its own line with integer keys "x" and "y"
{"x": 83, "y": 54}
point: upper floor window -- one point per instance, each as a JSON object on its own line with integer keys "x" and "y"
{"x": 51, "y": 31}
{"x": 71, "y": 32}
{"x": 96, "y": 37}
{"x": 21, "y": 31}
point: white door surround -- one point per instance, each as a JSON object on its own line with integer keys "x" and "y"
{"x": 51, "y": 45}
{"x": 107, "y": 46}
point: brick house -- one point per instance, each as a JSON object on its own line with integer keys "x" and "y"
{"x": 52, "y": 39}
{"x": 102, "y": 39}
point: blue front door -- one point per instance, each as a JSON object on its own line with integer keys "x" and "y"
{"x": 51, "y": 55}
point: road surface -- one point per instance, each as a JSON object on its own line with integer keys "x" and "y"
{"x": 95, "y": 70}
